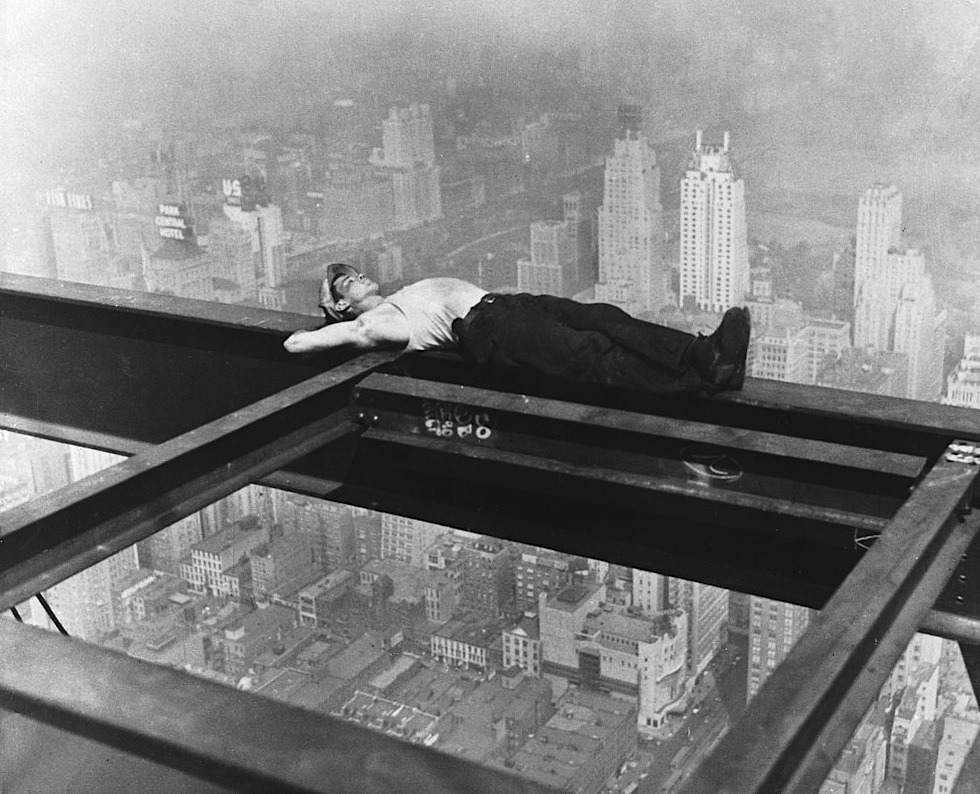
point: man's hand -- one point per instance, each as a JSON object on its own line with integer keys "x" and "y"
{"x": 299, "y": 343}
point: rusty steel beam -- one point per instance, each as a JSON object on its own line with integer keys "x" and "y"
{"x": 793, "y": 731}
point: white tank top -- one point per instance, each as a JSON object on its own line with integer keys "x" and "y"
{"x": 431, "y": 305}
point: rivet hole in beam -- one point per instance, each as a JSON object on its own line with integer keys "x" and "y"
{"x": 807, "y": 710}
{"x": 66, "y": 531}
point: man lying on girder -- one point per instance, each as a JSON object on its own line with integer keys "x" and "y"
{"x": 559, "y": 337}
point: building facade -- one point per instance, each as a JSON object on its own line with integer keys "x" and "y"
{"x": 774, "y": 628}
{"x": 714, "y": 261}
{"x": 632, "y": 275}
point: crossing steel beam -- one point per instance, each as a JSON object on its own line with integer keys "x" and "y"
{"x": 796, "y": 726}
{"x": 61, "y": 533}
{"x": 239, "y": 741}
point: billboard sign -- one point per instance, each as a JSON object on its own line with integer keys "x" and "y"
{"x": 173, "y": 223}
{"x": 66, "y": 200}
{"x": 245, "y": 192}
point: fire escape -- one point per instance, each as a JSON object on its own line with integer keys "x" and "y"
{"x": 859, "y": 506}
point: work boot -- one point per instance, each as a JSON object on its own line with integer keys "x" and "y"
{"x": 720, "y": 358}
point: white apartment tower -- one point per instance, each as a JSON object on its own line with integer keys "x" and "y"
{"x": 632, "y": 275}
{"x": 714, "y": 258}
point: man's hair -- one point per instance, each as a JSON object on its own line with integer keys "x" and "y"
{"x": 328, "y": 297}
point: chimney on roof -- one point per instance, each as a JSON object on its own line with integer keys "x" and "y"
{"x": 697, "y": 141}
{"x": 726, "y": 140}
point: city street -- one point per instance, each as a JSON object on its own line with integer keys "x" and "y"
{"x": 699, "y": 730}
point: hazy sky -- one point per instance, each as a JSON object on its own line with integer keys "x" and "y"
{"x": 779, "y": 73}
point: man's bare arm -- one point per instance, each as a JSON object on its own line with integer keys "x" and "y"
{"x": 383, "y": 327}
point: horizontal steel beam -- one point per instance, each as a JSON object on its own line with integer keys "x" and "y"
{"x": 900, "y": 425}
{"x": 795, "y": 475}
{"x": 64, "y": 532}
{"x": 794, "y": 729}
{"x": 135, "y": 366}
{"x": 506, "y": 412}
{"x": 240, "y": 741}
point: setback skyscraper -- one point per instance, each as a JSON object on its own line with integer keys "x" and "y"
{"x": 631, "y": 256}
{"x": 894, "y": 301}
{"x": 879, "y": 230}
{"x": 714, "y": 258}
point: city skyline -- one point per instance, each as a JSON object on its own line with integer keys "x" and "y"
{"x": 672, "y": 160}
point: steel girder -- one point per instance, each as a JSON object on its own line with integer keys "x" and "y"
{"x": 239, "y": 741}
{"x": 806, "y": 712}
{"x": 573, "y": 450}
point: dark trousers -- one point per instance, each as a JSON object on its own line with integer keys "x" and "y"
{"x": 579, "y": 342}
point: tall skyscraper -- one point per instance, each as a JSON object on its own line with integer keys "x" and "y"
{"x": 247, "y": 245}
{"x": 649, "y": 591}
{"x": 920, "y": 333}
{"x": 408, "y": 539}
{"x": 706, "y": 607}
{"x": 632, "y": 275}
{"x": 894, "y": 301}
{"x": 488, "y": 582}
{"x": 714, "y": 259}
{"x": 879, "y": 230}
{"x": 774, "y": 629}
{"x": 407, "y": 156}
{"x": 580, "y": 216}
{"x": 84, "y": 603}
{"x": 876, "y": 299}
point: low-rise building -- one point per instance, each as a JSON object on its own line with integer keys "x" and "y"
{"x": 578, "y": 748}
{"x": 470, "y": 642}
{"x": 243, "y": 641}
{"x": 522, "y": 646}
{"x": 209, "y": 568}
{"x": 315, "y": 599}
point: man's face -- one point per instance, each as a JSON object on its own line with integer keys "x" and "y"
{"x": 350, "y": 291}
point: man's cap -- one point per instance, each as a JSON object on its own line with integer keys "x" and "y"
{"x": 327, "y": 300}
